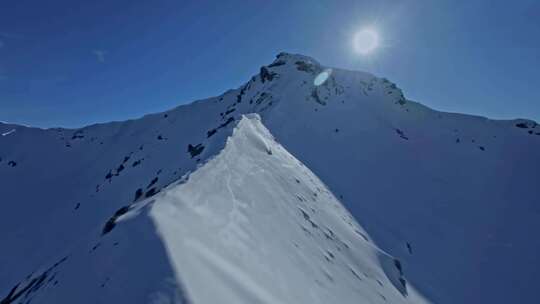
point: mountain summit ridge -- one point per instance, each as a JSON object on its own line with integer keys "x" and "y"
{"x": 295, "y": 63}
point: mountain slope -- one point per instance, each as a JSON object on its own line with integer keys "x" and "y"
{"x": 460, "y": 191}
{"x": 253, "y": 223}
{"x": 452, "y": 196}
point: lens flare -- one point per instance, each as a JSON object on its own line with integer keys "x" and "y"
{"x": 322, "y": 77}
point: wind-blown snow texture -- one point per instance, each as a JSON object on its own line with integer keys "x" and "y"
{"x": 170, "y": 207}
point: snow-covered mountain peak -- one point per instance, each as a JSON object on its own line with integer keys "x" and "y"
{"x": 448, "y": 195}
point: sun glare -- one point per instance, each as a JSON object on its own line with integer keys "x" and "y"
{"x": 366, "y": 41}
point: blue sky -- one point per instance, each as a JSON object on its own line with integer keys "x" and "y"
{"x": 71, "y": 63}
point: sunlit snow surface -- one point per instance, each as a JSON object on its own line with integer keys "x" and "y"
{"x": 259, "y": 227}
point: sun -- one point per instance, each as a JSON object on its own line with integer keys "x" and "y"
{"x": 366, "y": 41}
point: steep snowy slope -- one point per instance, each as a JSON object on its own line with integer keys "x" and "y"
{"x": 454, "y": 197}
{"x": 253, "y": 225}
{"x": 57, "y": 185}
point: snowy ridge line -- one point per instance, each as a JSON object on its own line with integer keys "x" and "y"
{"x": 137, "y": 205}
{"x": 250, "y": 144}
{"x": 204, "y": 239}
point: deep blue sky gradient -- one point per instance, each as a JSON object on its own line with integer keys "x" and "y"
{"x": 477, "y": 57}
